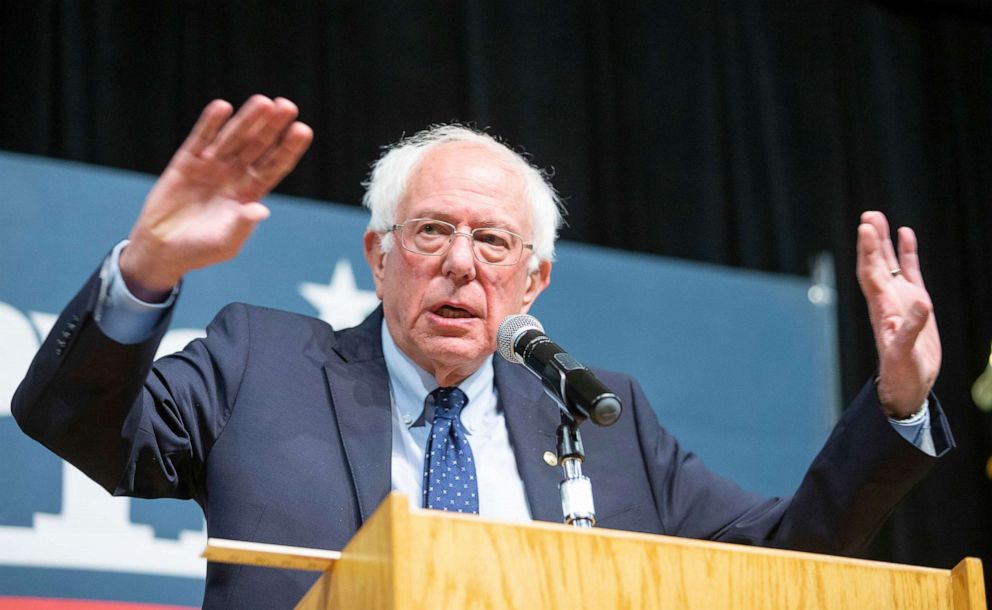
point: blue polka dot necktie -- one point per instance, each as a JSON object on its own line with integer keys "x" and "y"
{"x": 449, "y": 469}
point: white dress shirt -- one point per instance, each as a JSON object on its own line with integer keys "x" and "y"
{"x": 501, "y": 490}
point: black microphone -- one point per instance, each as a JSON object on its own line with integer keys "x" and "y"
{"x": 521, "y": 340}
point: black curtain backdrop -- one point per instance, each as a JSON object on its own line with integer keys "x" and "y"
{"x": 741, "y": 133}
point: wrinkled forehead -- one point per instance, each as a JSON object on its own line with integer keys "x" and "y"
{"x": 459, "y": 176}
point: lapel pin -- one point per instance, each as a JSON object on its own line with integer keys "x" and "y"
{"x": 550, "y": 458}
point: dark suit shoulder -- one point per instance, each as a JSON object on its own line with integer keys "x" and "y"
{"x": 265, "y": 326}
{"x": 261, "y": 314}
{"x": 256, "y": 323}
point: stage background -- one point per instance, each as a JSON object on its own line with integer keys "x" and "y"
{"x": 743, "y": 133}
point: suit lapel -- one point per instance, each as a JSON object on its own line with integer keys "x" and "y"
{"x": 359, "y": 387}
{"x": 531, "y": 420}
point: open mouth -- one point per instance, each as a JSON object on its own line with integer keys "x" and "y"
{"x": 450, "y": 311}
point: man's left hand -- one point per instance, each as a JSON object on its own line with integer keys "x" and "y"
{"x": 901, "y": 316}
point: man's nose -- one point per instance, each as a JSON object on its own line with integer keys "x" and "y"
{"x": 459, "y": 261}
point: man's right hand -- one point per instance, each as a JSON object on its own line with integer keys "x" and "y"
{"x": 206, "y": 203}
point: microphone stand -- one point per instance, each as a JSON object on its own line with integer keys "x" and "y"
{"x": 576, "y": 490}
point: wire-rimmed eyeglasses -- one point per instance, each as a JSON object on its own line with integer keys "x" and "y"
{"x": 432, "y": 237}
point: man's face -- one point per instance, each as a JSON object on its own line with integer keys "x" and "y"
{"x": 443, "y": 311}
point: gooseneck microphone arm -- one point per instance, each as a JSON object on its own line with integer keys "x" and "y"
{"x": 575, "y": 492}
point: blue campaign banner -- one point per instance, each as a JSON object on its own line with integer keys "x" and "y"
{"x": 740, "y": 365}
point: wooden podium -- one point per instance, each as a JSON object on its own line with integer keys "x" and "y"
{"x": 429, "y": 560}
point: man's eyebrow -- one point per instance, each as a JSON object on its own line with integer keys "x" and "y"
{"x": 487, "y": 223}
{"x": 433, "y": 215}
{"x": 492, "y": 224}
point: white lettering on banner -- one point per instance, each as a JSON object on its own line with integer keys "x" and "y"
{"x": 93, "y": 531}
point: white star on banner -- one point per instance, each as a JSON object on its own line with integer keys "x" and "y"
{"x": 340, "y": 303}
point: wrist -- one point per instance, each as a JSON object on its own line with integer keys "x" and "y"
{"x": 914, "y": 418}
{"x": 143, "y": 280}
{"x": 901, "y": 408}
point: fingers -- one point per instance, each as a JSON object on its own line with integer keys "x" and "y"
{"x": 207, "y": 126}
{"x": 270, "y": 126}
{"x": 257, "y": 146}
{"x": 263, "y": 137}
{"x": 873, "y": 269}
{"x": 881, "y": 225}
{"x": 238, "y": 133}
{"x": 909, "y": 260}
{"x": 280, "y": 159}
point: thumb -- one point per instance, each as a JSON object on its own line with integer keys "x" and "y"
{"x": 254, "y": 212}
{"x": 248, "y": 215}
{"x": 911, "y": 326}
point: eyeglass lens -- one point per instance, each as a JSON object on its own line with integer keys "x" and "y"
{"x": 434, "y": 238}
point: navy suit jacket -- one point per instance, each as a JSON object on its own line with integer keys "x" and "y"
{"x": 280, "y": 428}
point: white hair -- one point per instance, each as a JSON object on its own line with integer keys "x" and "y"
{"x": 391, "y": 173}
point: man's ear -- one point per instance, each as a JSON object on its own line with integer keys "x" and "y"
{"x": 376, "y": 259}
{"x": 537, "y": 281}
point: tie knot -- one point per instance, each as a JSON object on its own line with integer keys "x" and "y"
{"x": 448, "y": 402}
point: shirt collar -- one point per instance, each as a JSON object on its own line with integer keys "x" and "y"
{"x": 410, "y": 384}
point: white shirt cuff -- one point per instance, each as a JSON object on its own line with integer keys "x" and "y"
{"x": 122, "y": 316}
{"x": 916, "y": 429}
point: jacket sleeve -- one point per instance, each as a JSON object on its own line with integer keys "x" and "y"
{"x": 133, "y": 427}
{"x": 862, "y": 472}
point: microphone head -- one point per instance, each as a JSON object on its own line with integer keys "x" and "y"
{"x": 509, "y": 329}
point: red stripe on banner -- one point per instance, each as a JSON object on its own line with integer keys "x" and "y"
{"x": 42, "y": 603}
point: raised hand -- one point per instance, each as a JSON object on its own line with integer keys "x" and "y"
{"x": 901, "y": 316}
{"x": 206, "y": 203}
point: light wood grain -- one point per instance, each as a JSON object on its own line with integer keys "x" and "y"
{"x": 428, "y": 560}
{"x": 378, "y": 562}
{"x": 967, "y": 584}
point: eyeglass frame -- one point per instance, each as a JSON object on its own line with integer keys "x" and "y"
{"x": 455, "y": 233}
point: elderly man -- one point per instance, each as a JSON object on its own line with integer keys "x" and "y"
{"x": 287, "y": 431}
